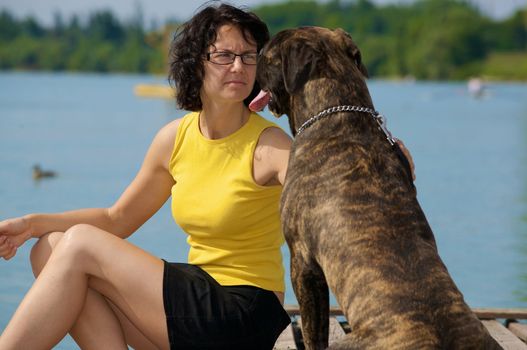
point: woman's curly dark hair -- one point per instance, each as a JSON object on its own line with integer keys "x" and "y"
{"x": 194, "y": 38}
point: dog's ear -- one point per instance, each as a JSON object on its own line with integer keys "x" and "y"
{"x": 358, "y": 60}
{"x": 352, "y": 51}
{"x": 299, "y": 61}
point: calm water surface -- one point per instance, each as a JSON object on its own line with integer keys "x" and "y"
{"x": 470, "y": 155}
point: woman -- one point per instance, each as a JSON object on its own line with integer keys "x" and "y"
{"x": 224, "y": 167}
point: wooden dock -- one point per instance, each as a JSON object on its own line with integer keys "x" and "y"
{"x": 507, "y": 326}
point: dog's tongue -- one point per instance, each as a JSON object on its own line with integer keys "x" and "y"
{"x": 260, "y": 101}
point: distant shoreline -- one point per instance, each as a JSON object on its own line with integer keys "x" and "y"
{"x": 160, "y": 77}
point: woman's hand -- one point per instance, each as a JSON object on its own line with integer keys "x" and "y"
{"x": 407, "y": 155}
{"x": 13, "y": 233}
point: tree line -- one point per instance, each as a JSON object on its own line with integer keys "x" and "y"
{"x": 101, "y": 44}
{"x": 426, "y": 39}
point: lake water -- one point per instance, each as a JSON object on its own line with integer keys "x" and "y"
{"x": 470, "y": 155}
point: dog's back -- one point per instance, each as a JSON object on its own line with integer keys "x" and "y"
{"x": 349, "y": 204}
{"x": 350, "y": 213}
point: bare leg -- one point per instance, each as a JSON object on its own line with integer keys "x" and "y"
{"x": 100, "y": 325}
{"x": 85, "y": 258}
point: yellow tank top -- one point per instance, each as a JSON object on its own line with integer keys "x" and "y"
{"x": 233, "y": 224}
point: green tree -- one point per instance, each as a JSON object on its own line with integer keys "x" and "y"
{"x": 104, "y": 26}
{"x": 9, "y": 27}
{"x": 430, "y": 39}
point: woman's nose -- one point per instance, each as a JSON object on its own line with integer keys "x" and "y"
{"x": 238, "y": 63}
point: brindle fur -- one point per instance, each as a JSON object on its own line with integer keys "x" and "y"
{"x": 349, "y": 210}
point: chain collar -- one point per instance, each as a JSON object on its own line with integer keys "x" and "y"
{"x": 379, "y": 118}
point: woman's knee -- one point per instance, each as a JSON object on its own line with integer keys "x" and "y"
{"x": 80, "y": 242}
{"x": 42, "y": 249}
{"x": 73, "y": 242}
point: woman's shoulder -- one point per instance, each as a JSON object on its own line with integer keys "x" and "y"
{"x": 269, "y": 130}
{"x": 166, "y": 136}
{"x": 272, "y": 134}
{"x": 165, "y": 139}
{"x": 169, "y": 130}
{"x": 275, "y": 135}
{"x": 257, "y": 119}
{"x": 272, "y": 150}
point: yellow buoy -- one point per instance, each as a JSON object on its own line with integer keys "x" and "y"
{"x": 154, "y": 91}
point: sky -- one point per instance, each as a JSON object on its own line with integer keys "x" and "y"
{"x": 161, "y": 10}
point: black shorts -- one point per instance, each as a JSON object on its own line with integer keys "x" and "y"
{"x": 202, "y": 314}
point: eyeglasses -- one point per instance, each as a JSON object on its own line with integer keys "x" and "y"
{"x": 225, "y": 57}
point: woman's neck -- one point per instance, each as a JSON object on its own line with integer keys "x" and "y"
{"x": 219, "y": 121}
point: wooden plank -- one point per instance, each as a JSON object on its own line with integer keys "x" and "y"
{"x": 509, "y": 339}
{"x": 482, "y": 313}
{"x": 294, "y": 310}
{"x": 519, "y": 330}
{"x": 335, "y": 330}
{"x": 488, "y": 313}
{"x": 503, "y": 336}
{"x": 286, "y": 340}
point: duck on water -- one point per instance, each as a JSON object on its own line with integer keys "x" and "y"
{"x": 39, "y": 173}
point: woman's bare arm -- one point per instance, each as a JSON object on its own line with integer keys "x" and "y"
{"x": 142, "y": 198}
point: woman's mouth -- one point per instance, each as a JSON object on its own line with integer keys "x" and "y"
{"x": 235, "y": 82}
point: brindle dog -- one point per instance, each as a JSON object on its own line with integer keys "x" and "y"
{"x": 349, "y": 210}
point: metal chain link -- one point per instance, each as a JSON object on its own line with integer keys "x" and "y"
{"x": 379, "y": 118}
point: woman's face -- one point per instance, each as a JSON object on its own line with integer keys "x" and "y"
{"x": 230, "y": 82}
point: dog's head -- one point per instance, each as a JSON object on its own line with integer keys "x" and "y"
{"x": 295, "y": 56}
